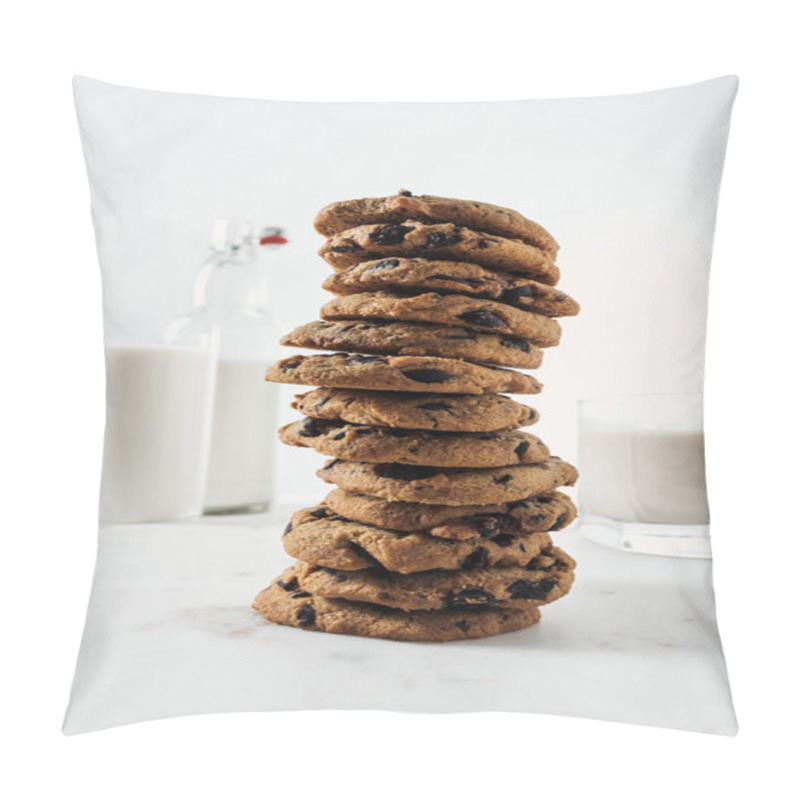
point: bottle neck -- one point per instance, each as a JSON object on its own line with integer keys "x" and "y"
{"x": 231, "y": 280}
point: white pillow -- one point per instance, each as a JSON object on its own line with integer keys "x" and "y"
{"x": 627, "y": 184}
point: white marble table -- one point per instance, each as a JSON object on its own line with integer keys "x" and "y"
{"x": 170, "y": 632}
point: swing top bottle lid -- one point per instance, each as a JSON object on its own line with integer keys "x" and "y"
{"x": 229, "y": 236}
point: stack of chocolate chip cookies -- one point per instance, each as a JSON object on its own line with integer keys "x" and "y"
{"x": 439, "y": 525}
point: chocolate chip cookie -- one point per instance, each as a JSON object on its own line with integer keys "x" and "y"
{"x": 382, "y": 445}
{"x": 416, "y": 339}
{"x": 546, "y": 577}
{"x": 286, "y": 604}
{"x": 449, "y": 486}
{"x": 445, "y": 242}
{"x": 319, "y": 536}
{"x": 340, "y": 216}
{"x": 400, "y": 374}
{"x": 454, "y": 310}
{"x": 548, "y": 512}
{"x": 456, "y": 277}
{"x": 434, "y": 412}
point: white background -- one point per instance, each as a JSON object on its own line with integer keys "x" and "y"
{"x": 414, "y": 51}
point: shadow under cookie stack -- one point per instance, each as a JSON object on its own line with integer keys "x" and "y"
{"x": 439, "y": 524}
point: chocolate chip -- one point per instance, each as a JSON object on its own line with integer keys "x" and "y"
{"x": 319, "y": 513}
{"x": 515, "y": 343}
{"x": 287, "y": 529}
{"x": 441, "y": 239}
{"x": 300, "y": 593}
{"x": 502, "y": 478}
{"x": 341, "y": 435}
{"x": 428, "y": 375}
{"x": 471, "y": 597}
{"x": 390, "y": 234}
{"x": 311, "y": 427}
{"x": 483, "y": 318}
{"x": 306, "y": 616}
{"x": 462, "y": 625}
{"x": 485, "y": 527}
{"x": 513, "y": 295}
{"x": 489, "y": 525}
{"x": 290, "y": 585}
{"x": 291, "y": 363}
{"x": 365, "y": 554}
{"x": 338, "y": 575}
{"x": 559, "y": 523}
{"x": 483, "y": 244}
{"x": 386, "y": 264}
{"x": 545, "y": 499}
{"x": 405, "y": 193}
{"x": 524, "y": 589}
{"x": 477, "y": 559}
{"x": 503, "y": 540}
{"x": 435, "y": 407}
{"x": 405, "y": 472}
{"x": 521, "y": 448}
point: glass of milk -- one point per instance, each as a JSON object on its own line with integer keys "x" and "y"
{"x": 158, "y": 416}
{"x": 642, "y": 481}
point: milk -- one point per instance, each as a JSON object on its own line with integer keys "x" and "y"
{"x": 643, "y": 473}
{"x": 243, "y": 438}
{"x": 158, "y": 414}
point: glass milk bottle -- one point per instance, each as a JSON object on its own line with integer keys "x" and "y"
{"x": 230, "y": 300}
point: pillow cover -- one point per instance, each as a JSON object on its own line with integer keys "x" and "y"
{"x": 424, "y": 257}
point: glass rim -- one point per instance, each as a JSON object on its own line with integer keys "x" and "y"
{"x": 639, "y": 396}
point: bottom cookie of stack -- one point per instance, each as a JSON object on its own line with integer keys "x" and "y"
{"x": 286, "y": 603}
